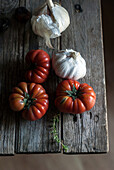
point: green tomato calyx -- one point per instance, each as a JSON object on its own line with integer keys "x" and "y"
{"x": 74, "y": 93}
{"x": 28, "y": 100}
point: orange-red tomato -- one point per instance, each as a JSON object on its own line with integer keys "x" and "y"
{"x": 39, "y": 62}
{"x": 31, "y": 98}
{"x": 73, "y": 97}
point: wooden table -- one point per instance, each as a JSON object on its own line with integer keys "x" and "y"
{"x": 88, "y": 132}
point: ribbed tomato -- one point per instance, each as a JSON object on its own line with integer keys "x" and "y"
{"x": 39, "y": 62}
{"x": 31, "y": 98}
{"x": 73, "y": 97}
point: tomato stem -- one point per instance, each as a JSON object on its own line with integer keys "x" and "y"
{"x": 28, "y": 100}
{"x": 74, "y": 93}
{"x": 32, "y": 66}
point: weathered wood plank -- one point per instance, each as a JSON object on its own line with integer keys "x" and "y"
{"x": 8, "y": 74}
{"x": 7, "y": 6}
{"x": 88, "y": 132}
{"x": 36, "y": 136}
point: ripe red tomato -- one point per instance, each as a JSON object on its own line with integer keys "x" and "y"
{"x": 39, "y": 62}
{"x": 31, "y": 98}
{"x": 73, "y": 97}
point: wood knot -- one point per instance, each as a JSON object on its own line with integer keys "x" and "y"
{"x": 78, "y": 8}
{"x": 4, "y": 24}
{"x": 96, "y": 118}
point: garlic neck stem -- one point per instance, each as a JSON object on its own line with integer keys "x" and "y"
{"x": 50, "y": 3}
{"x": 73, "y": 55}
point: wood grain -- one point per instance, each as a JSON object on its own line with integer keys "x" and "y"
{"x": 7, "y": 6}
{"x": 36, "y": 136}
{"x": 87, "y": 133}
{"x": 8, "y": 78}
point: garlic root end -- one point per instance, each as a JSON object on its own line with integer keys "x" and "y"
{"x": 48, "y": 43}
{"x": 73, "y": 55}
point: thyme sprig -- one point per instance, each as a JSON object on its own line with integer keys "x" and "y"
{"x": 55, "y": 133}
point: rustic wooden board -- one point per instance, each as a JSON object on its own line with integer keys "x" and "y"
{"x": 8, "y": 74}
{"x": 7, "y": 6}
{"x": 87, "y": 133}
{"x": 36, "y": 136}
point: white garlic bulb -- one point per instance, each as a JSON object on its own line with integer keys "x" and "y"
{"x": 69, "y": 64}
{"x": 51, "y": 20}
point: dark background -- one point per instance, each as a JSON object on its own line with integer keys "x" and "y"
{"x": 79, "y": 162}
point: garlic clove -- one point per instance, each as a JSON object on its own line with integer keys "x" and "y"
{"x": 50, "y": 20}
{"x": 61, "y": 16}
{"x": 44, "y": 26}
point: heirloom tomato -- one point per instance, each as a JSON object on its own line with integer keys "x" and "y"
{"x": 31, "y": 98}
{"x": 73, "y": 97}
{"x": 39, "y": 62}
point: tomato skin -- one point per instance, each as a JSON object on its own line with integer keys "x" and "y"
{"x": 39, "y": 62}
{"x": 31, "y": 99}
{"x": 16, "y": 102}
{"x": 79, "y": 100}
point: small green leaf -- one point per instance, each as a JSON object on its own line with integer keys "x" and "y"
{"x": 54, "y": 137}
{"x": 74, "y": 89}
{"x": 55, "y": 133}
{"x": 63, "y": 100}
{"x": 65, "y": 147}
{"x": 26, "y": 95}
{"x": 31, "y": 95}
{"x": 72, "y": 93}
{"x": 69, "y": 93}
{"x": 57, "y": 120}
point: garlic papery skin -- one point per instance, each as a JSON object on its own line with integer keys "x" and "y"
{"x": 44, "y": 26}
{"x": 60, "y": 14}
{"x": 50, "y": 21}
{"x": 69, "y": 64}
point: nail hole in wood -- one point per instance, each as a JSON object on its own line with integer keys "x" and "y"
{"x": 90, "y": 115}
{"x": 96, "y": 118}
{"x": 75, "y": 118}
{"x": 78, "y": 8}
{"x": 92, "y": 29}
{"x": 80, "y": 116}
{"x": 94, "y": 148}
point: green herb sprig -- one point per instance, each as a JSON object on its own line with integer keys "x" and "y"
{"x": 55, "y": 133}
